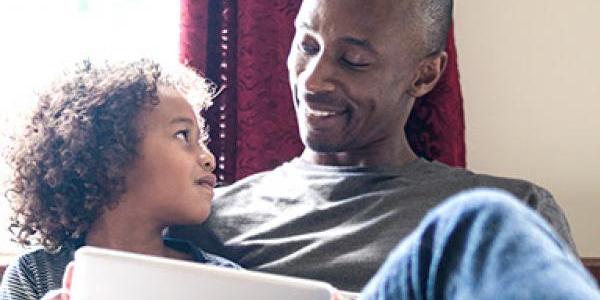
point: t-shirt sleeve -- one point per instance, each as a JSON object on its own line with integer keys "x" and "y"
{"x": 542, "y": 201}
{"x": 18, "y": 282}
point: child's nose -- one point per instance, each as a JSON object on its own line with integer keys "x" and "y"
{"x": 207, "y": 159}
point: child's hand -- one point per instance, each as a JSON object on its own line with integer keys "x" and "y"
{"x": 65, "y": 292}
{"x": 336, "y": 296}
{"x": 343, "y": 295}
{"x": 59, "y": 294}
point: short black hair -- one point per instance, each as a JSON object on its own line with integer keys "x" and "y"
{"x": 436, "y": 18}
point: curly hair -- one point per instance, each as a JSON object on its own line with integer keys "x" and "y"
{"x": 68, "y": 164}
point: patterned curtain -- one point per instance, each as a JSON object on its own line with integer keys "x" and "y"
{"x": 242, "y": 45}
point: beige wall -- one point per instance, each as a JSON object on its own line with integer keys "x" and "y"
{"x": 531, "y": 82}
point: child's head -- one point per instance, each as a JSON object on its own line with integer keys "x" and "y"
{"x": 85, "y": 144}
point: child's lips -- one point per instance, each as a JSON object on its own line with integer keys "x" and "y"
{"x": 210, "y": 180}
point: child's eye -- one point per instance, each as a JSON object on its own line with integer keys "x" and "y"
{"x": 183, "y": 135}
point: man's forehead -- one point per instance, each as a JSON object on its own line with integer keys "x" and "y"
{"x": 352, "y": 14}
{"x": 375, "y": 25}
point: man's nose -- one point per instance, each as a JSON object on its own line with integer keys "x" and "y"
{"x": 319, "y": 76}
{"x": 206, "y": 159}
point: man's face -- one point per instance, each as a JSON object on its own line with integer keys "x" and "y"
{"x": 350, "y": 65}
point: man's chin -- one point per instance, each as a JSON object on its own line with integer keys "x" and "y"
{"x": 321, "y": 145}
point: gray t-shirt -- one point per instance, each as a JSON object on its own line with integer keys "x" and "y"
{"x": 338, "y": 224}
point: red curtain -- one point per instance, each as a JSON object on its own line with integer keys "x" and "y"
{"x": 242, "y": 45}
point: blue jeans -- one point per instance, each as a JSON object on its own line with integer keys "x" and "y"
{"x": 482, "y": 244}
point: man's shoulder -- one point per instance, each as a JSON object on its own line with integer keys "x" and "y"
{"x": 536, "y": 198}
{"x": 523, "y": 189}
{"x": 465, "y": 178}
{"x": 450, "y": 180}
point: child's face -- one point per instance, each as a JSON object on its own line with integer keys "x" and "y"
{"x": 171, "y": 180}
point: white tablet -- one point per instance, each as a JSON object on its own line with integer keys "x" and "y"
{"x": 102, "y": 274}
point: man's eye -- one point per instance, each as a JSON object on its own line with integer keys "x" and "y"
{"x": 354, "y": 63}
{"x": 183, "y": 135}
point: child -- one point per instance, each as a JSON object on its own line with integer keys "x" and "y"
{"x": 112, "y": 155}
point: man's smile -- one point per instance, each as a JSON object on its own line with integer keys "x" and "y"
{"x": 320, "y": 117}
{"x": 315, "y": 112}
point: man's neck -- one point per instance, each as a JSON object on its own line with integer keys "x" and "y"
{"x": 376, "y": 155}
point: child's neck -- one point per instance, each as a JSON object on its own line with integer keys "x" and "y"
{"x": 129, "y": 233}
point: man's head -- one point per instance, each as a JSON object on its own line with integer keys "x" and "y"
{"x": 356, "y": 67}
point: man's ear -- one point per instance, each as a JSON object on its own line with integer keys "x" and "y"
{"x": 428, "y": 74}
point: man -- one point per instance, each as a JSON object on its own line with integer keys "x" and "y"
{"x": 334, "y": 214}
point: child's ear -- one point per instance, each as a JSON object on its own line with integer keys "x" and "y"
{"x": 428, "y": 74}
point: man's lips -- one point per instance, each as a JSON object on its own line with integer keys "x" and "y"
{"x": 320, "y": 105}
{"x": 323, "y": 118}
{"x": 322, "y": 112}
{"x": 210, "y": 180}
{"x": 321, "y": 108}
